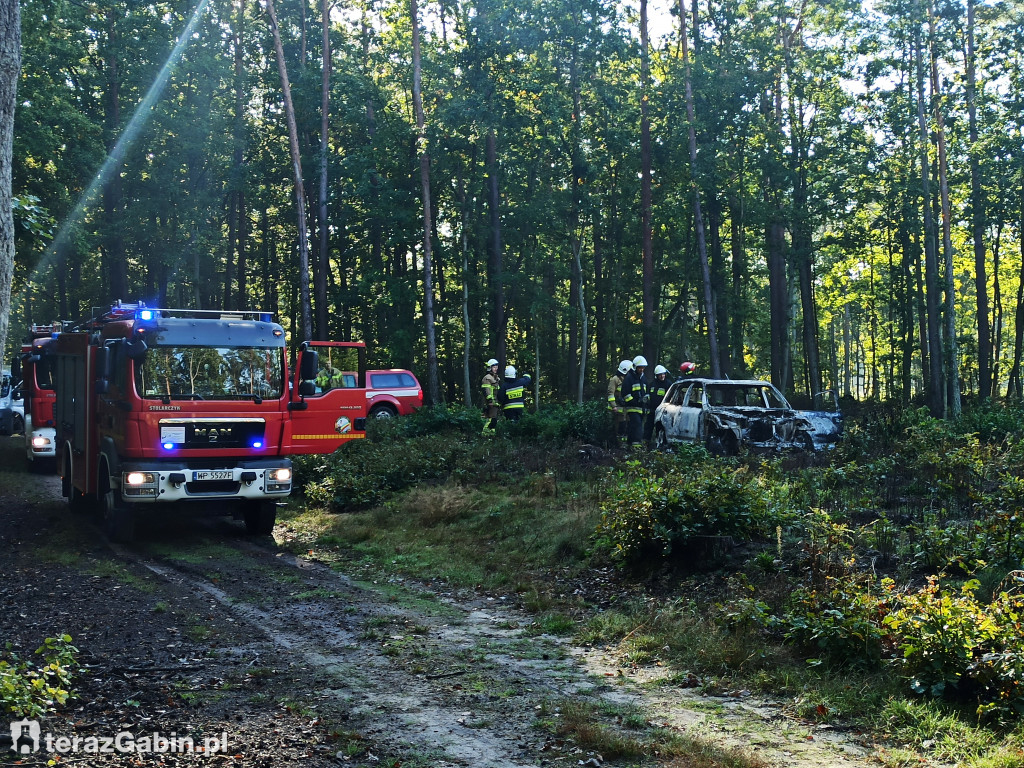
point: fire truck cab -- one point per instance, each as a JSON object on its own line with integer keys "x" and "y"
{"x": 160, "y": 408}
{"x": 40, "y": 397}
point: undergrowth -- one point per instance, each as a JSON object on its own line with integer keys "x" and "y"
{"x": 888, "y": 571}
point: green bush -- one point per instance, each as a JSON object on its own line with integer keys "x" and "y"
{"x": 952, "y": 644}
{"x": 656, "y": 507}
{"x": 841, "y": 622}
{"x": 32, "y": 690}
{"x": 433, "y": 420}
{"x": 559, "y": 424}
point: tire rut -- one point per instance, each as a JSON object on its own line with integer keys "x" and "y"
{"x": 444, "y": 681}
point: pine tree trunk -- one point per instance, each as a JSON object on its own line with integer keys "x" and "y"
{"x": 10, "y": 68}
{"x": 433, "y": 382}
{"x": 306, "y": 326}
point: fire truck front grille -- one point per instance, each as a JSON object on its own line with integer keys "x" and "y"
{"x": 213, "y": 433}
{"x": 212, "y": 488}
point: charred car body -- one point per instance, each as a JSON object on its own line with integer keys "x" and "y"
{"x": 729, "y": 416}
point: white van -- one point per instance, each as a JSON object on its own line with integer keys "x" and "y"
{"x": 6, "y": 403}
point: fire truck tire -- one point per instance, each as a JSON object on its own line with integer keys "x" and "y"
{"x": 79, "y": 503}
{"x": 118, "y": 520}
{"x": 260, "y": 517}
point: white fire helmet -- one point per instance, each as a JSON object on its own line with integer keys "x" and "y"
{"x": 491, "y": 363}
{"x": 639, "y": 361}
{"x": 510, "y": 372}
{"x": 624, "y": 367}
{"x": 660, "y": 369}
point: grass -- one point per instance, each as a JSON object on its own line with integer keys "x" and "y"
{"x": 486, "y": 537}
{"x": 622, "y": 733}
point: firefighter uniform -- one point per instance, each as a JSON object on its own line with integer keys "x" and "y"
{"x": 658, "y": 389}
{"x": 512, "y": 394}
{"x": 635, "y": 396}
{"x": 330, "y": 377}
{"x": 616, "y": 405}
{"x": 490, "y": 386}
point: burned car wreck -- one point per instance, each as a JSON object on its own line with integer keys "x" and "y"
{"x": 728, "y": 417}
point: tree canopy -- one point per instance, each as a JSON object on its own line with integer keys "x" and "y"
{"x": 859, "y": 171}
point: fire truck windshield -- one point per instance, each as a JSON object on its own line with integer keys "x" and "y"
{"x": 210, "y": 373}
{"x": 43, "y": 369}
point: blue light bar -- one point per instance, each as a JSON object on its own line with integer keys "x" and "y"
{"x": 169, "y": 446}
{"x": 146, "y": 314}
{"x": 257, "y": 444}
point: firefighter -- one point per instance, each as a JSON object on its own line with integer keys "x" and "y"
{"x": 490, "y": 386}
{"x": 616, "y": 405}
{"x": 658, "y": 389}
{"x": 512, "y": 394}
{"x": 329, "y": 377}
{"x": 635, "y": 397}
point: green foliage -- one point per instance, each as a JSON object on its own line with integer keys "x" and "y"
{"x": 952, "y": 643}
{"x": 432, "y": 420}
{"x": 841, "y": 622}
{"x": 369, "y": 471}
{"x": 32, "y": 689}
{"x": 436, "y": 444}
{"x": 657, "y": 506}
{"x": 586, "y": 423}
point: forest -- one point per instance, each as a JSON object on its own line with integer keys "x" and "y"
{"x": 827, "y": 194}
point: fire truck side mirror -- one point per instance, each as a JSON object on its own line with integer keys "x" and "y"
{"x": 102, "y": 370}
{"x": 309, "y": 365}
{"x": 136, "y": 348}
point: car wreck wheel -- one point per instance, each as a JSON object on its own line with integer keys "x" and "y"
{"x": 660, "y": 439}
{"x": 722, "y": 444}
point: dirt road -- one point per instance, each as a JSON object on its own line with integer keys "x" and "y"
{"x": 198, "y": 631}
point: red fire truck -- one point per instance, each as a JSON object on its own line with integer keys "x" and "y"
{"x": 39, "y": 395}
{"x": 156, "y": 407}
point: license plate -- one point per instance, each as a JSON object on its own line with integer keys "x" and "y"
{"x": 211, "y": 474}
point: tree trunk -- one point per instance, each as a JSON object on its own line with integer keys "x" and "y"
{"x": 238, "y": 154}
{"x": 117, "y": 267}
{"x": 936, "y": 399}
{"x": 698, "y": 216}
{"x": 978, "y": 219}
{"x": 306, "y": 326}
{"x": 433, "y": 383}
{"x": 495, "y": 268}
{"x": 952, "y": 351}
{"x": 467, "y": 383}
{"x": 646, "y": 195}
{"x": 324, "y": 254}
{"x": 10, "y": 69}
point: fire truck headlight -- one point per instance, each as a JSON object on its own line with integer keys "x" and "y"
{"x": 40, "y": 443}
{"x": 139, "y": 484}
{"x": 279, "y": 479}
{"x": 139, "y": 478}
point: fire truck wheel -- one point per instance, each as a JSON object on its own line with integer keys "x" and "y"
{"x": 260, "y": 517}
{"x": 118, "y": 520}
{"x": 80, "y": 503}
